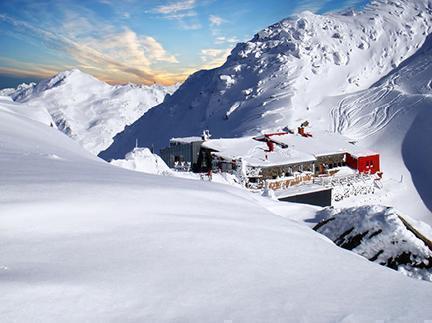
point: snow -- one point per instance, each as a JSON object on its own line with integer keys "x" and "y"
{"x": 323, "y": 143}
{"x": 186, "y": 140}
{"x": 88, "y": 110}
{"x": 364, "y": 74}
{"x": 143, "y": 160}
{"x": 11, "y": 91}
{"x": 254, "y": 153}
{"x": 83, "y": 240}
{"x": 378, "y": 234}
{"x": 395, "y": 119}
{"x": 298, "y": 148}
{"x": 38, "y": 114}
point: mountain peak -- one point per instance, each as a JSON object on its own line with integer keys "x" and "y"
{"x": 73, "y": 75}
{"x": 70, "y": 72}
{"x": 286, "y": 70}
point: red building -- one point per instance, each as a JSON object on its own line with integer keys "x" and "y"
{"x": 364, "y": 163}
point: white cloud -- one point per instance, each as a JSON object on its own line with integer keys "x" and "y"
{"x": 156, "y": 52}
{"x": 121, "y": 55}
{"x": 129, "y": 49}
{"x": 214, "y": 57}
{"x": 311, "y": 5}
{"x": 216, "y": 20}
{"x": 211, "y": 52}
{"x": 189, "y": 25}
{"x": 226, "y": 40}
{"x": 175, "y": 7}
{"x": 181, "y": 11}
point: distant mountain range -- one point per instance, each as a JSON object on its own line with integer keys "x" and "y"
{"x": 87, "y": 109}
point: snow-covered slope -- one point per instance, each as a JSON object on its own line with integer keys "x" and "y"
{"x": 380, "y": 235}
{"x": 394, "y": 116}
{"x": 38, "y": 114}
{"x": 88, "y": 110}
{"x": 276, "y": 78}
{"x": 86, "y": 241}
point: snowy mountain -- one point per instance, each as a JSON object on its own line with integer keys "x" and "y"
{"x": 84, "y": 240}
{"x": 279, "y": 77}
{"x": 20, "y": 88}
{"x": 88, "y": 110}
{"x": 363, "y": 74}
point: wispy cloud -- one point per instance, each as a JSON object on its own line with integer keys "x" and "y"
{"x": 189, "y": 25}
{"x": 182, "y": 11}
{"x": 216, "y": 20}
{"x": 226, "y": 40}
{"x": 214, "y": 57}
{"x": 311, "y": 5}
{"x": 26, "y": 69}
{"x": 156, "y": 51}
{"x": 123, "y": 54}
{"x": 176, "y": 7}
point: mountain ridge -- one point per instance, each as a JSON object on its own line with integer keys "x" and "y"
{"x": 87, "y": 109}
{"x": 275, "y": 79}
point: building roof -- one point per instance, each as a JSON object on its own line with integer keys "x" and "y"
{"x": 322, "y": 143}
{"x": 254, "y": 152}
{"x": 299, "y": 149}
{"x": 185, "y": 140}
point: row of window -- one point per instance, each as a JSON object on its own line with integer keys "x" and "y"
{"x": 334, "y": 165}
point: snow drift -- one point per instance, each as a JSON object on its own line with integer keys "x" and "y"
{"x": 143, "y": 160}
{"x": 88, "y": 110}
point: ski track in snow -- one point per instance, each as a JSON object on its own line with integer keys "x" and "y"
{"x": 349, "y": 116}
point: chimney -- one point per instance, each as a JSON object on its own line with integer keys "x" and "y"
{"x": 206, "y": 135}
{"x": 301, "y": 131}
{"x": 270, "y": 145}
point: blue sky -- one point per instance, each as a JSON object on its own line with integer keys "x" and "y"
{"x": 141, "y": 41}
